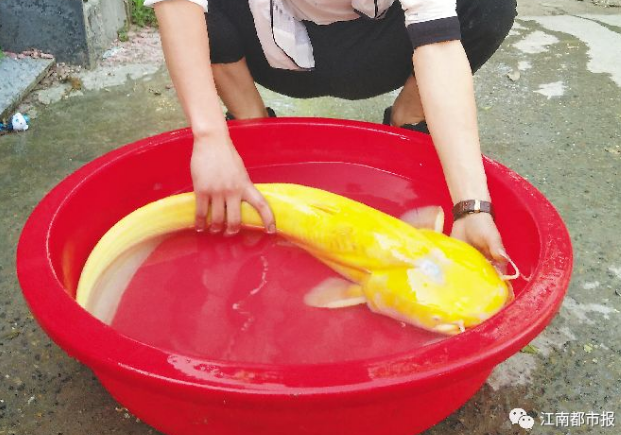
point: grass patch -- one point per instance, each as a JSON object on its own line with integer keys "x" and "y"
{"x": 2, "y": 55}
{"x": 123, "y": 35}
{"x": 141, "y": 15}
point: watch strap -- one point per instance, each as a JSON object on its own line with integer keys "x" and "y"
{"x": 472, "y": 206}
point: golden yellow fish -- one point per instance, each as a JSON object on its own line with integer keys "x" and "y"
{"x": 418, "y": 276}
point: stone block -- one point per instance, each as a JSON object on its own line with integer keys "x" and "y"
{"x": 17, "y": 78}
{"x": 74, "y": 31}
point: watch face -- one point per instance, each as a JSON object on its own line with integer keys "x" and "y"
{"x": 477, "y": 205}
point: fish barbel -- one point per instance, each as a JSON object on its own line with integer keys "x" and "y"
{"x": 414, "y": 275}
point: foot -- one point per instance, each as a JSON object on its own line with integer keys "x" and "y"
{"x": 270, "y": 114}
{"x": 420, "y": 127}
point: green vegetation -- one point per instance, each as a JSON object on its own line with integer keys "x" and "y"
{"x": 2, "y": 55}
{"x": 141, "y": 15}
{"x": 123, "y": 36}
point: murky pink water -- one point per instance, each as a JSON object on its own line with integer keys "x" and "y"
{"x": 241, "y": 298}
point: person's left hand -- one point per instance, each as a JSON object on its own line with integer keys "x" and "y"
{"x": 479, "y": 230}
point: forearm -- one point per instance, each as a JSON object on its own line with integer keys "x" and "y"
{"x": 447, "y": 94}
{"x": 186, "y": 47}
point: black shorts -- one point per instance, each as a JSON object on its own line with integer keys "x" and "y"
{"x": 353, "y": 59}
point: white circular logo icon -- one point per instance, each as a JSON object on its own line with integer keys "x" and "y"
{"x": 516, "y": 414}
{"x": 526, "y": 422}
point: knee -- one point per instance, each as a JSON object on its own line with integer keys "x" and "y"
{"x": 497, "y": 18}
{"x": 484, "y": 26}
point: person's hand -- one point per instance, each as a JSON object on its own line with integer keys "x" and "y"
{"x": 479, "y": 230}
{"x": 221, "y": 183}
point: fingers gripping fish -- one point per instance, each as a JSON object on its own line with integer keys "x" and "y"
{"x": 418, "y": 276}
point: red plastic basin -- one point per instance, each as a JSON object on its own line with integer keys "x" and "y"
{"x": 402, "y": 391}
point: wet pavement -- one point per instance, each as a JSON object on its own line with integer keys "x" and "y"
{"x": 549, "y": 107}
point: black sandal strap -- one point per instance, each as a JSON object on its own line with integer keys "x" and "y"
{"x": 420, "y": 127}
{"x": 270, "y": 113}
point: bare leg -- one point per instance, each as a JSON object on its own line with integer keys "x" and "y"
{"x": 238, "y": 91}
{"x": 408, "y": 108}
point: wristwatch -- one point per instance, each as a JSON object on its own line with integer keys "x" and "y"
{"x": 471, "y": 206}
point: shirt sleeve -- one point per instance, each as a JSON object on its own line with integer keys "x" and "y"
{"x": 203, "y": 3}
{"x": 431, "y": 21}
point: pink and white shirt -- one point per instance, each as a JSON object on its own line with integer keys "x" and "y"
{"x": 285, "y": 41}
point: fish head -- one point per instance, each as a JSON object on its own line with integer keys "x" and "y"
{"x": 438, "y": 293}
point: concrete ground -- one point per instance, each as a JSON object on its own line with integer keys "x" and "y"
{"x": 549, "y": 107}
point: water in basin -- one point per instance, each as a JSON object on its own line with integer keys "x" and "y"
{"x": 242, "y": 298}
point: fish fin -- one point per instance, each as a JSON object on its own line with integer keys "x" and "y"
{"x": 431, "y": 217}
{"x": 335, "y": 293}
{"x": 349, "y": 272}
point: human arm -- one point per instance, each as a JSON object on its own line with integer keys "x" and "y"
{"x": 444, "y": 83}
{"x": 219, "y": 177}
{"x": 447, "y": 94}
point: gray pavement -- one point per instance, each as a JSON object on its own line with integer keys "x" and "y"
{"x": 557, "y": 122}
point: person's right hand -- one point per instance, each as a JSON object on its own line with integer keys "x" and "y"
{"x": 480, "y": 231}
{"x": 221, "y": 183}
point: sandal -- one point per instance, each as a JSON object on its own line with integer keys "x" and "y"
{"x": 420, "y": 127}
{"x": 270, "y": 114}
